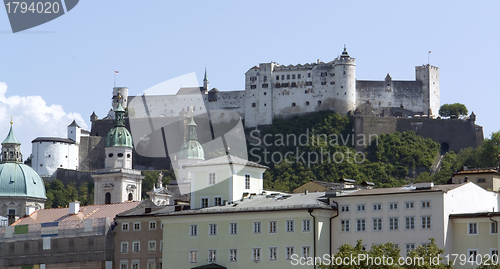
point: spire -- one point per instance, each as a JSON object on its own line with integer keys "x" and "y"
{"x": 191, "y": 130}
{"x": 344, "y": 53}
{"x": 205, "y": 81}
{"x": 11, "y": 138}
{"x": 119, "y": 113}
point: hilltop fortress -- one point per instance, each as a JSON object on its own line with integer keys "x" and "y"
{"x": 279, "y": 91}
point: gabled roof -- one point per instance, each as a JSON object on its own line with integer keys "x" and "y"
{"x": 228, "y": 159}
{"x": 86, "y": 212}
{"x": 74, "y": 124}
{"x": 210, "y": 266}
{"x": 190, "y": 90}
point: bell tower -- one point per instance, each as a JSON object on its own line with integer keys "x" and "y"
{"x": 11, "y": 147}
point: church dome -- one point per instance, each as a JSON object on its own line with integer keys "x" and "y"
{"x": 119, "y": 137}
{"x": 20, "y": 180}
{"x": 191, "y": 149}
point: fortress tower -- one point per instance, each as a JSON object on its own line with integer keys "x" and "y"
{"x": 429, "y": 76}
{"x": 345, "y": 83}
{"x": 120, "y": 95}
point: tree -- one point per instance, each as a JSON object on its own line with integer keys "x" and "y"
{"x": 457, "y": 109}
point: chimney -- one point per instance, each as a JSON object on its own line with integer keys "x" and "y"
{"x": 30, "y": 210}
{"x": 306, "y": 192}
{"x": 74, "y": 208}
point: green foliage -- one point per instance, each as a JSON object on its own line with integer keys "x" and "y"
{"x": 457, "y": 109}
{"x": 60, "y": 195}
{"x": 388, "y": 161}
{"x": 425, "y": 257}
{"x": 151, "y": 177}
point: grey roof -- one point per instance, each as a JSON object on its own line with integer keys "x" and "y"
{"x": 475, "y": 215}
{"x": 190, "y": 90}
{"x": 401, "y": 190}
{"x": 227, "y": 159}
{"x": 74, "y": 124}
{"x": 264, "y": 202}
{"x": 53, "y": 139}
{"x": 140, "y": 209}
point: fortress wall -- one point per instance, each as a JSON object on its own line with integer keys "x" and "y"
{"x": 456, "y": 133}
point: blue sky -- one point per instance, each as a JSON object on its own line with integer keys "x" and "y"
{"x": 63, "y": 70}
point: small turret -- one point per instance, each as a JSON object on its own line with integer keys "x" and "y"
{"x": 11, "y": 147}
{"x": 205, "y": 81}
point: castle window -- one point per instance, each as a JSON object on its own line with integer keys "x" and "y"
{"x": 293, "y": 76}
{"x": 294, "y": 85}
{"x": 284, "y": 85}
{"x": 265, "y": 78}
{"x": 252, "y": 79}
{"x": 282, "y": 77}
{"x": 110, "y": 155}
{"x": 323, "y": 82}
{"x": 293, "y": 104}
{"x": 254, "y": 105}
{"x": 265, "y": 104}
{"x": 264, "y": 85}
{"x": 253, "y": 86}
{"x": 307, "y": 103}
{"x": 287, "y": 76}
{"x": 308, "y": 75}
{"x": 277, "y": 77}
{"x": 278, "y": 85}
{"x": 319, "y": 102}
{"x": 265, "y": 93}
{"x": 298, "y": 76}
{"x": 344, "y": 72}
{"x": 345, "y": 93}
{"x": 128, "y": 155}
{"x": 309, "y": 83}
{"x": 332, "y": 82}
{"x": 341, "y": 87}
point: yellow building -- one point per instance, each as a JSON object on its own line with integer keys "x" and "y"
{"x": 261, "y": 231}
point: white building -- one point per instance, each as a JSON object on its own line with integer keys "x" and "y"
{"x": 51, "y": 153}
{"x": 406, "y": 216}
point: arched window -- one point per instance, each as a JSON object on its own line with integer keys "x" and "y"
{"x": 130, "y": 197}
{"x": 319, "y": 102}
{"x": 107, "y": 198}
{"x": 307, "y": 103}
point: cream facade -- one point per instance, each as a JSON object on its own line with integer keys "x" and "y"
{"x": 406, "y": 216}
{"x": 265, "y": 231}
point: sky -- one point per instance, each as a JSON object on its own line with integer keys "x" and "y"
{"x": 64, "y": 69}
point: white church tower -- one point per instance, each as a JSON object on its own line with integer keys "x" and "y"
{"x": 118, "y": 182}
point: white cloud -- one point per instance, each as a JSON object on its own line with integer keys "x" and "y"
{"x": 33, "y": 118}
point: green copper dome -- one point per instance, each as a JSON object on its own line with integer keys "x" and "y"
{"x": 191, "y": 149}
{"x": 11, "y": 138}
{"x": 20, "y": 180}
{"x": 119, "y": 136}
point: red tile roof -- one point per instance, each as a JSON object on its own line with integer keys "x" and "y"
{"x": 86, "y": 212}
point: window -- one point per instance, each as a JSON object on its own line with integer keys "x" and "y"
{"x": 282, "y": 77}
{"x": 472, "y": 255}
{"x": 273, "y": 253}
{"x": 293, "y": 104}
{"x": 123, "y": 265}
{"x": 290, "y": 226}
{"x": 393, "y": 206}
{"x": 298, "y": 76}
{"x": 473, "y": 228}
{"x": 254, "y": 104}
{"x": 193, "y": 230}
{"x": 481, "y": 180}
{"x": 289, "y": 253}
{"x": 285, "y": 85}
{"x": 193, "y": 256}
{"x": 124, "y": 247}
{"x": 360, "y": 207}
{"x": 377, "y": 207}
{"x": 277, "y": 77}
{"x": 211, "y": 179}
{"x": 306, "y": 251}
{"x": 204, "y": 202}
{"x": 136, "y": 246}
{"x": 257, "y": 227}
{"x": 233, "y": 255}
{"x": 426, "y": 222}
{"x": 293, "y": 76}
{"x": 344, "y": 208}
{"x": 212, "y": 229}
{"x": 247, "y": 182}
{"x": 345, "y": 225}
{"x": 265, "y": 85}
{"x": 161, "y": 245}
{"x": 253, "y": 79}
{"x": 287, "y": 76}
{"x": 273, "y": 226}
{"x": 308, "y": 75}
{"x": 360, "y": 225}
{"x": 256, "y": 254}
{"x": 323, "y": 82}
{"x": 426, "y": 204}
{"x": 233, "y": 228}
{"x": 217, "y": 201}
{"x": 152, "y": 246}
{"x": 393, "y": 223}
{"x": 306, "y": 225}
{"x": 494, "y": 255}
{"x": 135, "y": 264}
{"x": 152, "y": 225}
{"x": 151, "y": 264}
{"x": 253, "y": 86}
{"x": 212, "y": 255}
{"x": 125, "y": 227}
{"x": 409, "y": 247}
{"x": 137, "y": 226}
{"x": 377, "y": 224}
{"x": 494, "y": 227}
{"x": 309, "y": 83}
{"x": 409, "y": 205}
{"x": 410, "y": 223}
{"x": 11, "y": 212}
